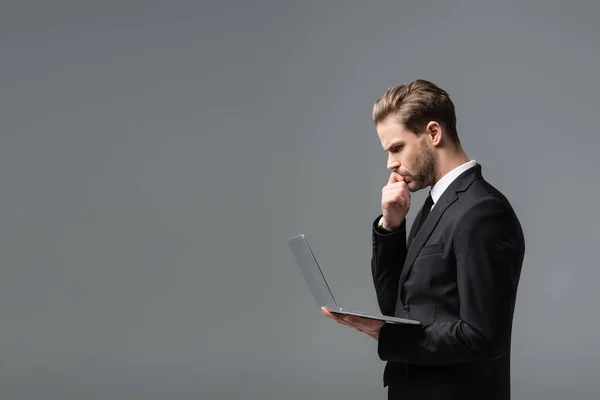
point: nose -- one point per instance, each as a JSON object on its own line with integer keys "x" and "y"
{"x": 393, "y": 165}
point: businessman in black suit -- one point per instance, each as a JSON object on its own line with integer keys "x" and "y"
{"x": 456, "y": 271}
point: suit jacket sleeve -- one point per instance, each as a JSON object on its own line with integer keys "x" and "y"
{"x": 389, "y": 253}
{"x": 488, "y": 248}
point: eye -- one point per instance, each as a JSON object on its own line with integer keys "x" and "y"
{"x": 396, "y": 149}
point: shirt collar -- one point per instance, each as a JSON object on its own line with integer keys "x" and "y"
{"x": 440, "y": 187}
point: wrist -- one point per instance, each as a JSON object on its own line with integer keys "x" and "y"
{"x": 383, "y": 224}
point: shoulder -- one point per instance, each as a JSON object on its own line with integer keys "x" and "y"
{"x": 482, "y": 197}
{"x": 482, "y": 206}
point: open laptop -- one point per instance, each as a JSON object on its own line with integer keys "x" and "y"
{"x": 318, "y": 285}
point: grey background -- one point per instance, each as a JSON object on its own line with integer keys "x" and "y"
{"x": 155, "y": 157}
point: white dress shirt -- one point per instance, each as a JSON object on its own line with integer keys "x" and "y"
{"x": 440, "y": 187}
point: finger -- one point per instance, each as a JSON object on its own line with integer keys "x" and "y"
{"x": 332, "y": 314}
{"x": 363, "y": 322}
{"x": 347, "y": 319}
{"x": 392, "y": 178}
{"x": 343, "y": 319}
{"x": 342, "y": 322}
{"x": 398, "y": 186}
{"x": 326, "y": 312}
{"x": 393, "y": 195}
{"x": 395, "y": 177}
{"x": 336, "y": 316}
{"x": 403, "y": 190}
{"x": 391, "y": 202}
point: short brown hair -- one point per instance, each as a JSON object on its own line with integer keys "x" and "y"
{"x": 415, "y": 104}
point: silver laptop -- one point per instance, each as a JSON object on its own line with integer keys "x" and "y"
{"x": 319, "y": 287}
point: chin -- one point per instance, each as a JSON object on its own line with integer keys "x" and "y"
{"x": 414, "y": 186}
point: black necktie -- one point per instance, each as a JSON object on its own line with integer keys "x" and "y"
{"x": 424, "y": 213}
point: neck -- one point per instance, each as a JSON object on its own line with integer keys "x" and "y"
{"x": 448, "y": 160}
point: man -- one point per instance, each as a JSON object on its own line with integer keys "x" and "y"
{"x": 456, "y": 271}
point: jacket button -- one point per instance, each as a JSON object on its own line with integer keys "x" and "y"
{"x": 406, "y": 309}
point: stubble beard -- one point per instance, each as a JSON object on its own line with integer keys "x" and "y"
{"x": 424, "y": 169}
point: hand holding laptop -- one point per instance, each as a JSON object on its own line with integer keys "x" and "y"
{"x": 324, "y": 297}
{"x": 370, "y": 326}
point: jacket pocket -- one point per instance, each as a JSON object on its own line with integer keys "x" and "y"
{"x": 432, "y": 249}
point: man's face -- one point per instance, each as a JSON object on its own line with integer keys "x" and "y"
{"x": 412, "y": 156}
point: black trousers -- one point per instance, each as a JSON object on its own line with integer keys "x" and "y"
{"x": 430, "y": 389}
{"x": 436, "y": 382}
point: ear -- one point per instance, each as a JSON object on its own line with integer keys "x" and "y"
{"x": 434, "y": 130}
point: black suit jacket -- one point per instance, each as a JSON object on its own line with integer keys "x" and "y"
{"x": 459, "y": 277}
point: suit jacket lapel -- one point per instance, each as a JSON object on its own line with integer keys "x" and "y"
{"x": 461, "y": 183}
{"x": 430, "y": 223}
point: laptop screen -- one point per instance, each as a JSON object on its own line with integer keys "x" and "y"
{"x": 312, "y": 272}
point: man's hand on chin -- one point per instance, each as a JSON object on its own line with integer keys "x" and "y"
{"x": 366, "y": 325}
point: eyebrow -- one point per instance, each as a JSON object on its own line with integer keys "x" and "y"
{"x": 394, "y": 144}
